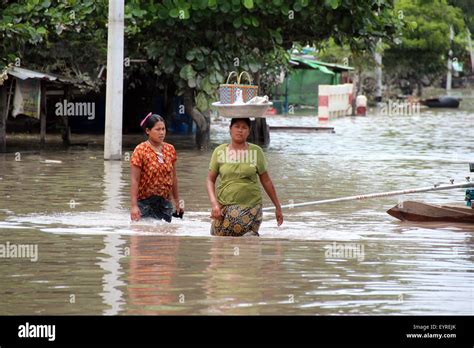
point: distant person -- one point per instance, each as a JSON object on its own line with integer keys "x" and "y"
{"x": 154, "y": 184}
{"x": 237, "y": 207}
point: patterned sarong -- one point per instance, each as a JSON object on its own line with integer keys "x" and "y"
{"x": 238, "y": 221}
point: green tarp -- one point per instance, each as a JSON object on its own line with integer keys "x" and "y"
{"x": 303, "y": 85}
{"x": 303, "y": 81}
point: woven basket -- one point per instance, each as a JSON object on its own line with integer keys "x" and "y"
{"x": 242, "y": 111}
{"x": 227, "y": 91}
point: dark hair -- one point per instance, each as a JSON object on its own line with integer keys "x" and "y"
{"x": 150, "y": 121}
{"x": 246, "y": 120}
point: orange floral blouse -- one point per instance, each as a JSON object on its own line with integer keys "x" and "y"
{"x": 156, "y": 177}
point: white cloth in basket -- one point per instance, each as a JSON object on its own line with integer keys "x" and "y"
{"x": 258, "y": 100}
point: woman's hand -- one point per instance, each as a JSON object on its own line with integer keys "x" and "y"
{"x": 270, "y": 190}
{"x": 216, "y": 212}
{"x": 135, "y": 213}
{"x": 178, "y": 207}
{"x": 279, "y": 216}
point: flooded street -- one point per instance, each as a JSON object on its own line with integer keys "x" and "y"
{"x": 92, "y": 260}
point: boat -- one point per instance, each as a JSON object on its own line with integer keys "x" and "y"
{"x": 424, "y": 212}
{"x": 442, "y": 102}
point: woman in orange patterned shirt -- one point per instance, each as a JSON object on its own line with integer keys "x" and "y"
{"x": 154, "y": 183}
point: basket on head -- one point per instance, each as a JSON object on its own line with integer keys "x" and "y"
{"x": 227, "y": 91}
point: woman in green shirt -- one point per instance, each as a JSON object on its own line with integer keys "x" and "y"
{"x": 237, "y": 207}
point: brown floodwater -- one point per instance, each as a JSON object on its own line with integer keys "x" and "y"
{"x": 347, "y": 258}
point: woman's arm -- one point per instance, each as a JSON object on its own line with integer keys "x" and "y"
{"x": 211, "y": 192}
{"x": 175, "y": 191}
{"x": 271, "y": 192}
{"x": 135, "y": 180}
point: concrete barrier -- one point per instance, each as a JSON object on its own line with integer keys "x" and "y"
{"x": 334, "y": 101}
{"x": 361, "y": 105}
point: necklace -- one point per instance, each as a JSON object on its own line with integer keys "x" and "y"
{"x": 159, "y": 154}
{"x": 154, "y": 147}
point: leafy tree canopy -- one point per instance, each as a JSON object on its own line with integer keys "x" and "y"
{"x": 190, "y": 45}
{"x": 424, "y": 44}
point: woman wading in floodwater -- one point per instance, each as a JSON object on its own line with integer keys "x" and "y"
{"x": 153, "y": 174}
{"x": 237, "y": 207}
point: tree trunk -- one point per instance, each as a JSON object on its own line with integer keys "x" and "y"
{"x": 419, "y": 89}
{"x": 168, "y": 104}
{"x": 202, "y": 119}
{"x": 66, "y": 132}
{"x": 356, "y": 89}
{"x": 43, "y": 115}
{"x": 260, "y": 132}
{"x": 3, "y": 118}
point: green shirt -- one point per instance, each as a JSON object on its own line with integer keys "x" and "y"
{"x": 238, "y": 171}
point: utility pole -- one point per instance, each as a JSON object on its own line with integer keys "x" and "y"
{"x": 114, "y": 94}
{"x": 471, "y": 51}
{"x": 378, "y": 72}
{"x": 450, "y": 60}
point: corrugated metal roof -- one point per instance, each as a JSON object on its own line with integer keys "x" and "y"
{"x": 316, "y": 64}
{"x": 24, "y": 74}
{"x": 337, "y": 66}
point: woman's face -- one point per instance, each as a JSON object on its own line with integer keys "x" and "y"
{"x": 239, "y": 132}
{"x": 157, "y": 133}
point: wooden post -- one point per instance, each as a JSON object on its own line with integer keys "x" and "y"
{"x": 42, "y": 114}
{"x": 3, "y": 118}
{"x": 260, "y": 133}
{"x": 66, "y": 134}
{"x": 266, "y": 132}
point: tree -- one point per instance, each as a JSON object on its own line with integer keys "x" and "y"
{"x": 468, "y": 13}
{"x": 65, "y": 37}
{"x": 467, "y": 10}
{"x": 422, "y": 50}
{"x": 194, "y": 44}
{"x": 190, "y": 45}
{"x": 361, "y": 59}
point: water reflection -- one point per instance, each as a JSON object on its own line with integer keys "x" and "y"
{"x": 152, "y": 286}
{"x": 164, "y": 278}
{"x": 234, "y": 262}
{"x": 111, "y": 282}
{"x": 111, "y": 293}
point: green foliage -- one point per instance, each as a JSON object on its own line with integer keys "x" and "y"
{"x": 67, "y": 37}
{"x": 467, "y": 10}
{"x": 343, "y": 55}
{"x": 188, "y": 44}
{"x": 424, "y": 42}
{"x": 195, "y": 44}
